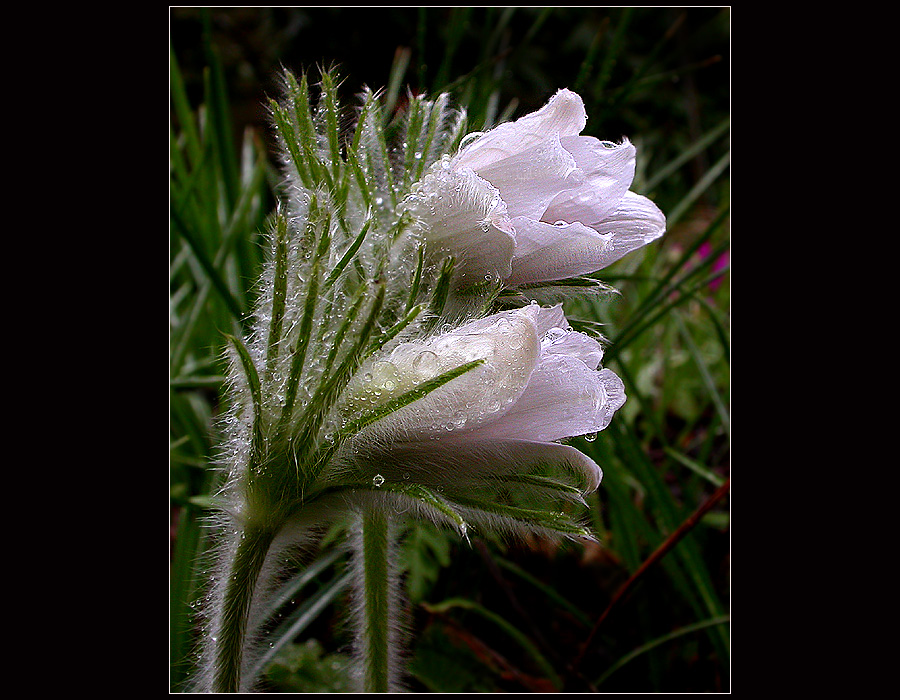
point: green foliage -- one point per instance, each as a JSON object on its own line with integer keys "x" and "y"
{"x": 652, "y": 74}
{"x": 307, "y": 668}
{"x": 425, "y": 552}
{"x": 444, "y": 664}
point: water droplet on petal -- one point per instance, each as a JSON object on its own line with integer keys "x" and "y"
{"x": 425, "y": 364}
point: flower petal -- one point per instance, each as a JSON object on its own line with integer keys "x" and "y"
{"x": 547, "y": 252}
{"x": 507, "y": 342}
{"x": 463, "y": 214}
{"x": 550, "y": 317}
{"x": 608, "y": 170}
{"x": 558, "y": 341}
{"x": 454, "y": 463}
{"x": 635, "y": 222}
{"x": 564, "y": 398}
{"x": 614, "y": 389}
{"x": 563, "y": 115}
{"x": 532, "y": 178}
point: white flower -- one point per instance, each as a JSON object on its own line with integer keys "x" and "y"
{"x": 565, "y": 198}
{"x": 539, "y": 383}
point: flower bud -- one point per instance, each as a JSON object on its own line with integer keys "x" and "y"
{"x": 539, "y": 383}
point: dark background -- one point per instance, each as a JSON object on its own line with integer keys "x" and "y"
{"x": 659, "y": 76}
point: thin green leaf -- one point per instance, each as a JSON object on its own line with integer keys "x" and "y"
{"x": 183, "y": 110}
{"x": 300, "y": 619}
{"x": 441, "y": 291}
{"x": 432, "y": 500}
{"x": 394, "y": 330}
{"x": 215, "y": 278}
{"x": 695, "y": 466}
{"x": 395, "y": 80}
{"x": 252, "y": 377}
{"x": 685, "y": 156}
{"x": 708, "y": 381}
{"x": 709, "y": 177}
{"x": 279, "y": 293}
{"x": 549, "y": 520}
{"x": 644, "y": 648}
{"x": 301, "y": 344}
{"x": 395, "y": 404}
{"x": 329, "y": 388}
{"x": 289, "y": 591}
{"x": 549, "y": 591}
{"x": 329, "y": 99}
{"x": 417, "y": 279}
{"x": 290, "y": 140}
{"x": 216, "y": 98}
{"x": 350, "y": 252}
{"x": 510, "y": 630}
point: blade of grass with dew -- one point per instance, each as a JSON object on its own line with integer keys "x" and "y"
{"x": 301, "y": 619}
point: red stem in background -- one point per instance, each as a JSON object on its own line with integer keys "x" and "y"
{"x": 660, "y": 552}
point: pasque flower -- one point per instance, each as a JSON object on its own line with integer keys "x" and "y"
{"x": 562, "y": 197}
{"x": 538, "y": 383}
{"x": 365, "y": 387}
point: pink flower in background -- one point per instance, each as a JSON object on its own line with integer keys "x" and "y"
{"x": 721, "y": 262}
{"x": 562, "y": 199}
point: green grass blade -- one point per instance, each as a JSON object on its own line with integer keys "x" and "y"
{"x": 644, "y": 648}
{"x": 705, "y": 375}
{"x": 300, "y": 620}
{"x": 703, "y": 184}
{"x": 510, "y": 630}
{"x": 215, "y": 277}
{"x": 695, "y": 467}
{"x": 687, "y": 154}
{"x": 548, "y": 591}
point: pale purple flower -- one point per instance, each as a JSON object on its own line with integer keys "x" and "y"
{"x": 565, "y": 197}
{"x": 540, "y": 383}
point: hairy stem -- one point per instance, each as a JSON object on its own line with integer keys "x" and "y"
{"x": 376, "y": 642}
{"x": 245, "y": 569}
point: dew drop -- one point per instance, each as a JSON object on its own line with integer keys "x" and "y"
{"x": 590, "y": 437}
{"x": 458, "y": 420}
{"x": 377, "y": 481}
{"x": 425, "y": 364}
